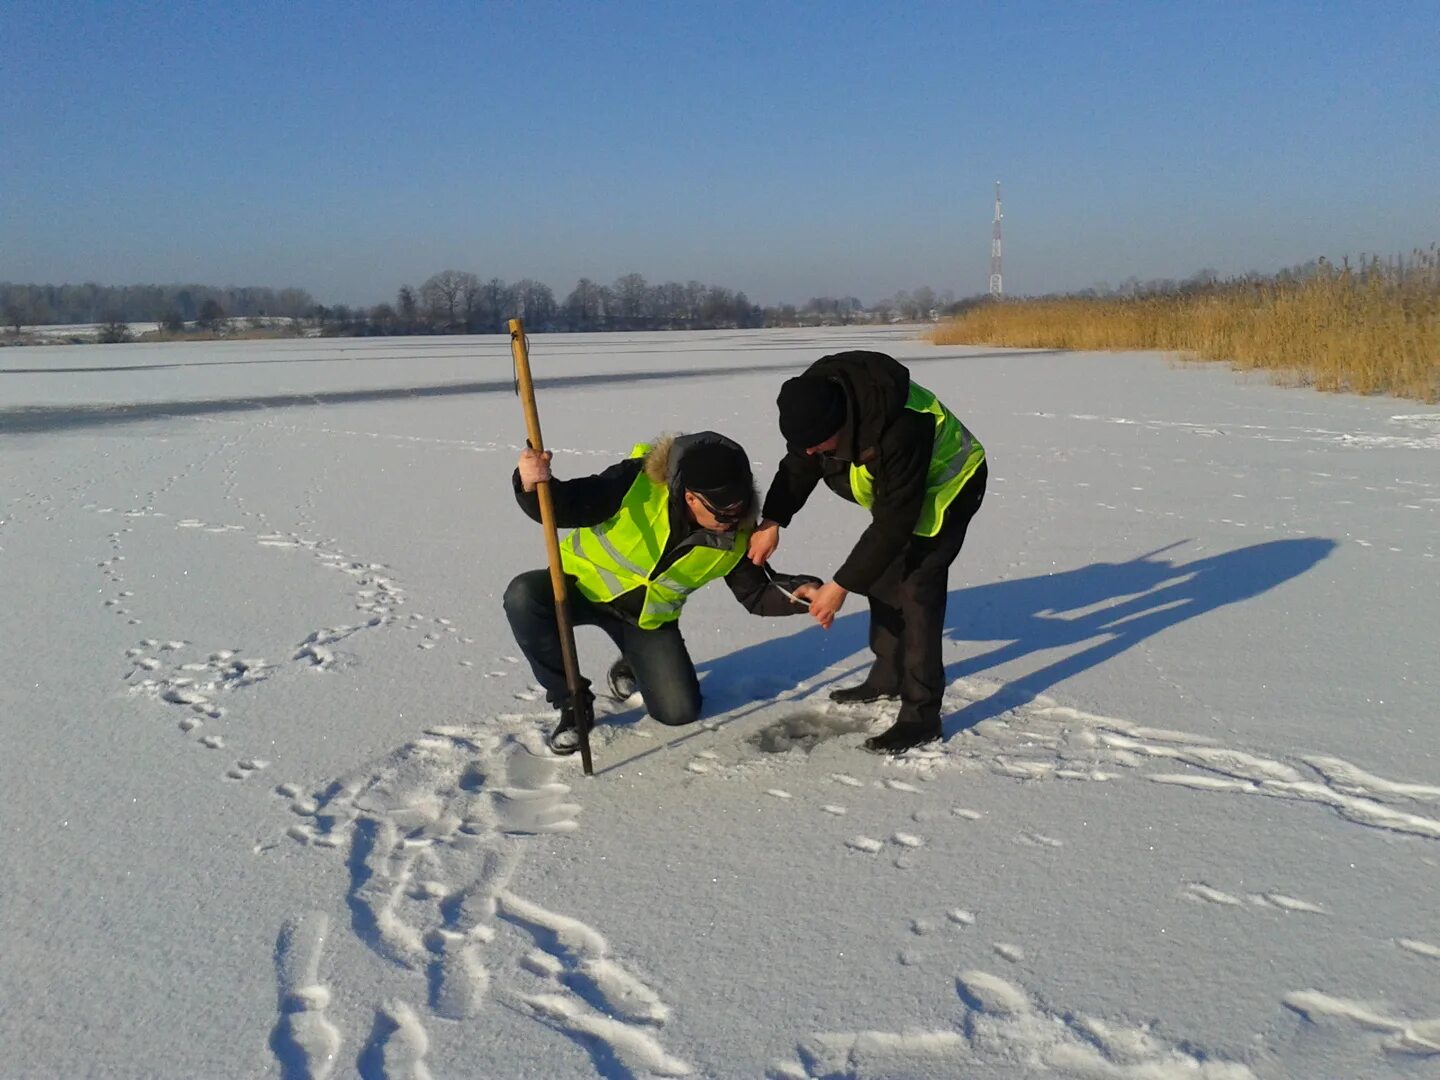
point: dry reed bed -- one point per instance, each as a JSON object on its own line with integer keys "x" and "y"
{"x": 1370, "y": 328}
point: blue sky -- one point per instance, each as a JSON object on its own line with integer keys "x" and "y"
{"x": 789, "y": 150}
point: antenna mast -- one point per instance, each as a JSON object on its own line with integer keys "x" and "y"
{"x": 996, "y": 279}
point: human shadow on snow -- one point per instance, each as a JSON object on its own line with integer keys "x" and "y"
{"x": 1093, "y": 612}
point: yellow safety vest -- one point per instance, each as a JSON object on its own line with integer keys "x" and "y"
{"x": 956, "y": 456}
{"x": 620, "y": 554}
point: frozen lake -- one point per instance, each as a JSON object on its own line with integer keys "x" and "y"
{"x": 276, "y": 806}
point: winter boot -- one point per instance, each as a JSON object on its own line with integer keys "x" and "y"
{"x": 865, "y": 692}
{"x": 909, "y": 731}
{"x": 565, "y": 738}
{"x": 623, "y": 685}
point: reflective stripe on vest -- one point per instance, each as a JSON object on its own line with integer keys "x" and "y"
{"x": 620, "y": 554}
{"x": 954, "y": 459}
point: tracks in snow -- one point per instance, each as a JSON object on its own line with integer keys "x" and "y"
{"x": 432, "y": 836}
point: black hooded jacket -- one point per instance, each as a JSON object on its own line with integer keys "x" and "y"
{"x": 591, "y": 500}
{"x": 893, "y": 442}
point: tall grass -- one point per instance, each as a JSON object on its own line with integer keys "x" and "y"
{"x": 1369, "y": 328}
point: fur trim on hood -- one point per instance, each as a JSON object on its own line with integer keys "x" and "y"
{"x": 662, "y": 465}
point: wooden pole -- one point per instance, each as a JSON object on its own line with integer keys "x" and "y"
{"x": 519, "y": 350}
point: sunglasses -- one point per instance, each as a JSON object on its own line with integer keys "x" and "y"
{"x": 725, "y": 515}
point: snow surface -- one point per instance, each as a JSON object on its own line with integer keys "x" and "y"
{"x": 275, "y": 804}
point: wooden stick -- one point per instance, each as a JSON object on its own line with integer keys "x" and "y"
{"x": 519, "y": 349}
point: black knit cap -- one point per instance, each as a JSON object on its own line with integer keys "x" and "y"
{"x": 717, "y": 471}
{"x": 812, "y": 408}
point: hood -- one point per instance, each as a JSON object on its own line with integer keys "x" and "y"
{"x": 876, "y": 388}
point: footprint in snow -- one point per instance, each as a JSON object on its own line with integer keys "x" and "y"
{"x": 398, "y": 1045}
{"x": 1035, "y": 839}
{"x": 246, "y": 767}
{"x": 1198, "y": 890}
{"x": 1419, "y": 948}
{"x": 900, "y": 785}
{"x": 999, "y": 1026}
{"x": 303, "y": 1040}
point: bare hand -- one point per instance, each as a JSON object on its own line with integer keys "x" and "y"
{"x": 763, "y": 542}
{"x": 534, "y": 468}
{"x": 826, "y": 602}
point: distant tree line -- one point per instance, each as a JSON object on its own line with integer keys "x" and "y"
{"x": 459, "y": 302}
{"x": 454, "y": 302}
{"x": 40, "y": 305}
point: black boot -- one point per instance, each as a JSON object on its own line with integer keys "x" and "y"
{"x": 565, "y": 738}
{"x": 623, "y": 685}
{"x": 865, "y": 692}
{"x": 908, "y": 732}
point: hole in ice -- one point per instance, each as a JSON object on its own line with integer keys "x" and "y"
{"x": 804, "y": 731}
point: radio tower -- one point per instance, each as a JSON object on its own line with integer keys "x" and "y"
{"x": 996, "y": 280}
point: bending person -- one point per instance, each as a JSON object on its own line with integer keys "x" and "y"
{"x": 877, "y": 439}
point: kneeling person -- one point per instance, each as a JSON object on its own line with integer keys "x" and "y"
{"x": 649, "y": 531}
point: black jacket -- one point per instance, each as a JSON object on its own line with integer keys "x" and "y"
{"x": 591, "y": 500}
{"x": 880, "y": 433}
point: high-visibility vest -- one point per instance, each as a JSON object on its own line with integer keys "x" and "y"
{"x": 954, "y": 459}
{"x": 620, "y": 554}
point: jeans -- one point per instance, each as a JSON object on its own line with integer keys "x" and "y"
{"x": 907, "y": 611}
{"x": 662, "y": 665}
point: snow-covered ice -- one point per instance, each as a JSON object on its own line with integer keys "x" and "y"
{"x": 276, "y": 802}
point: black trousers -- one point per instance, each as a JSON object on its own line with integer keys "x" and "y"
{"x": 907, "y": 610}
{"x": 661, "y": 662}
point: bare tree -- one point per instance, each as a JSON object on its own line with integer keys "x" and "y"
{"x": 534, "y": 302}
{"x": 383, "y": 319}
{"x": 496, "y": 301}
{"x": 924, "y": 300}
{"x": 633, "y": 296}
{"x": 441, "y": 296}
{"x": 472, "y": 299}
{"x": 211, "y": 315}
{"x": 293, "y": 303}
{"x": 718, "y": 307}
{"x": 409, "y": 309}
{"x": 584, "y": 308}
{"x": 114, "y": 330}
